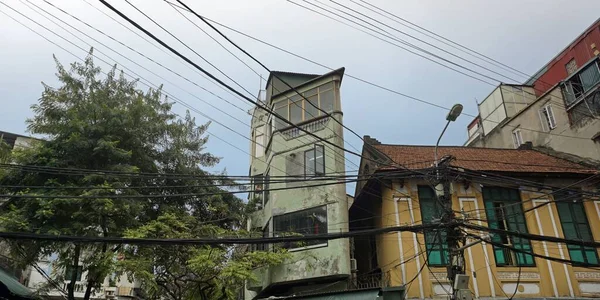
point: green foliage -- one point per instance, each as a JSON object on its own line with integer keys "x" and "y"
{"x": 192, "y": 272}
{"x": 104, "y": 122}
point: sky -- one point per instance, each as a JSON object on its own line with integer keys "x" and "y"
{"x": 522, "y": 34}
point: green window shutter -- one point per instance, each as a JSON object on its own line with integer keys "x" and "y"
{"x": 574, "y": 222}
{"x": 435, "y": 241}
{"x": 504, "y": 211}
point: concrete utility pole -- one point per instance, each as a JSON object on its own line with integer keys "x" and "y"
{"x": 456, "y": 266}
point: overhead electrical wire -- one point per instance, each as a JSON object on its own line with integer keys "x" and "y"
{"x": 367, "y": 81}
{"x": 103, "y": 61}
{"x": 225, "y": 84}
{"x": 285, "y": 82}
{"x": 439, "y": 38}
{"x": 209, "y": 240}
{"x": 165, "y": 91}
{"x": 422, "y": 50}
{"x": 555, "y": 259}
{"x": 390, "y": 36}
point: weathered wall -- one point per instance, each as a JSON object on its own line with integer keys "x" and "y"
{"x": 285, "y": 157}
{"x": 563, "y": 138}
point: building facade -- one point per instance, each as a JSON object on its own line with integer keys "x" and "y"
{"x": 281, "y": 150}
{"x": 501, "y": 188}
{"x": 558, "y": 109}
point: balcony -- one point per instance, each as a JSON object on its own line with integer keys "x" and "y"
{"x": 582, "y": 94}
{"x": 370, "y": 281}
{"x": 311, "y": 126}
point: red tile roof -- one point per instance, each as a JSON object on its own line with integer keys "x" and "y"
{"x": 482, "y": 159}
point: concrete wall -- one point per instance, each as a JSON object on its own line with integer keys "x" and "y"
{"x": 400, "y": 205}
{"x": 559, "y": 139}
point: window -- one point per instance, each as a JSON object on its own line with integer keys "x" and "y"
{"x": 305, "y": 222}
{"x": 314, "y": 161}
{"x": 579, "y": 84}
{"x": 259, "y": 141}
{"x": 266, "y": 193}
{"x": 69, "y": 273}
{"x": 547, "y": 118}
{"x": 517, "y": 138}
{"x": 575, "y": 226}
{"x": 503, "y": 210}
{"x": 264, "y": 232}
{"x": 436, "y": 240}
{"x": 571, "y": 66}
{"x": 298, "y": 108}
{"x": 258, "y": 187}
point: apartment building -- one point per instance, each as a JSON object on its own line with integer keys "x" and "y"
{"x": 557, "y": 110}
{"x": 282, "y": 150}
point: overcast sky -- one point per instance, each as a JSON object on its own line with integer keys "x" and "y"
{"x": 521, "y": 34}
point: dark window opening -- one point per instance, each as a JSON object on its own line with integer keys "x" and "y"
{"x": 300, "y": 223}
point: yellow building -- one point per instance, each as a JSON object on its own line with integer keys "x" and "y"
{"x": 514, "y": 190}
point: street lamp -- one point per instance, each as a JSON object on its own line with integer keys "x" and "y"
{"x": 451, "y": 117}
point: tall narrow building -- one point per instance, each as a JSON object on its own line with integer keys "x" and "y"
{"x": 292, "y": 206}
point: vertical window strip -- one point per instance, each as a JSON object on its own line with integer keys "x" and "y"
{"x": 435, "y": 241}
{"x": 504, "y": 211}
{"x": 575, "y": 225}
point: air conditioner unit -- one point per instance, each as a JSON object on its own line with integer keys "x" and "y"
{"x": 353, "y": 266}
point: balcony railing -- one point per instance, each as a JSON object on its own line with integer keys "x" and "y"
{"x": 313, "y": 126}
{"x": 378, "y": 280}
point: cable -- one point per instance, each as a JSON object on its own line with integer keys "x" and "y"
{"x": 559, "y": 260}
{"x": 268, "y": 70}
{"x": 369, "y": 82}
{"x": 280, "y": 79}
{"x": 208, "y": 241}
{"x": 530, "y": 236}
{"x": 111, "y": 173}
{"x": 245, "y": 124}
{"x": 406, "y": 43}
{"x": 433, "y": 34}
{"x": 185, "y": 104}
{"x": 420, "y": 40}
{"x": 225, "y": 84}
{"x": 188, "y": 47}
{"x": 384, "y": 40}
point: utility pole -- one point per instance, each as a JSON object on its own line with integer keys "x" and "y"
{"x": 456, "y": 266}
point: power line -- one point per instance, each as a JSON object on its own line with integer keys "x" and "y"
{"x": 225, "y": 84}
{"x": 209, "y": 241}
{"x": 530, "y": 236}
{"x": 382, "y": 39}
{"x": 188, "y": 47}
{"x": 441, "y": 39}
{"x": 121, "y": 196}
{"x": 367, "y": 81}
{"x": 559, "y": 260}
{"x": 418, "y": 39}
{"x": 185, "y": 104}
{"x": 138, "y": 64}
{"x": 298, "y": 105}
{"x": 110, "y": 173}
{"x": 388, "y": 35}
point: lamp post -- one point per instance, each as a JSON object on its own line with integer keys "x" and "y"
{"x": 451, "y": 117}
{"x": 442, "y": 190}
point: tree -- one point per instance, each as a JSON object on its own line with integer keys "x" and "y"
{"x": 98, "y": 122}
